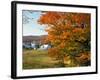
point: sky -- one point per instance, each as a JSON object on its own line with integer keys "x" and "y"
{"x": 30, "y": 24}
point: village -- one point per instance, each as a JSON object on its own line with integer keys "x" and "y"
{"x": 35, "y": 42}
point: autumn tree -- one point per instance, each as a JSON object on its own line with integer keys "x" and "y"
{"x": 69, "y": 34}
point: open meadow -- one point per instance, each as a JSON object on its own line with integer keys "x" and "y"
{"x": 35, "y": 59}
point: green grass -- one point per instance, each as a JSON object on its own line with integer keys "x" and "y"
{"x": 35, "y": 59}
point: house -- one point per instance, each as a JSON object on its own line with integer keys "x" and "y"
{"x": 33, "y": 42}
{"x": 29, "y": 45}
{"x": 45, "y": 47}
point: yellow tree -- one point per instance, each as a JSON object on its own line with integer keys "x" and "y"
{"x": 69, "y": 34}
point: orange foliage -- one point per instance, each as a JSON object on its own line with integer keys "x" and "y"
{"x": 67, "y": 32}
{"x": 52, "y": 17}
{"x": 83, "y": 57}
{"x": 54, "y": 52}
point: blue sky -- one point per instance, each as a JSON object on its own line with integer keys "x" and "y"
{"x": 30, "y": 24}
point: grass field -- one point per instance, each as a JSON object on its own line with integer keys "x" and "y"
{"x": 35, "y": 59}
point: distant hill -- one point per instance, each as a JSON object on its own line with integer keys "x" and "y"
{"x": 35, "y": 39}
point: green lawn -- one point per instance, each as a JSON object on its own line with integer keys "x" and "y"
{"x": 35, "y": 59}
